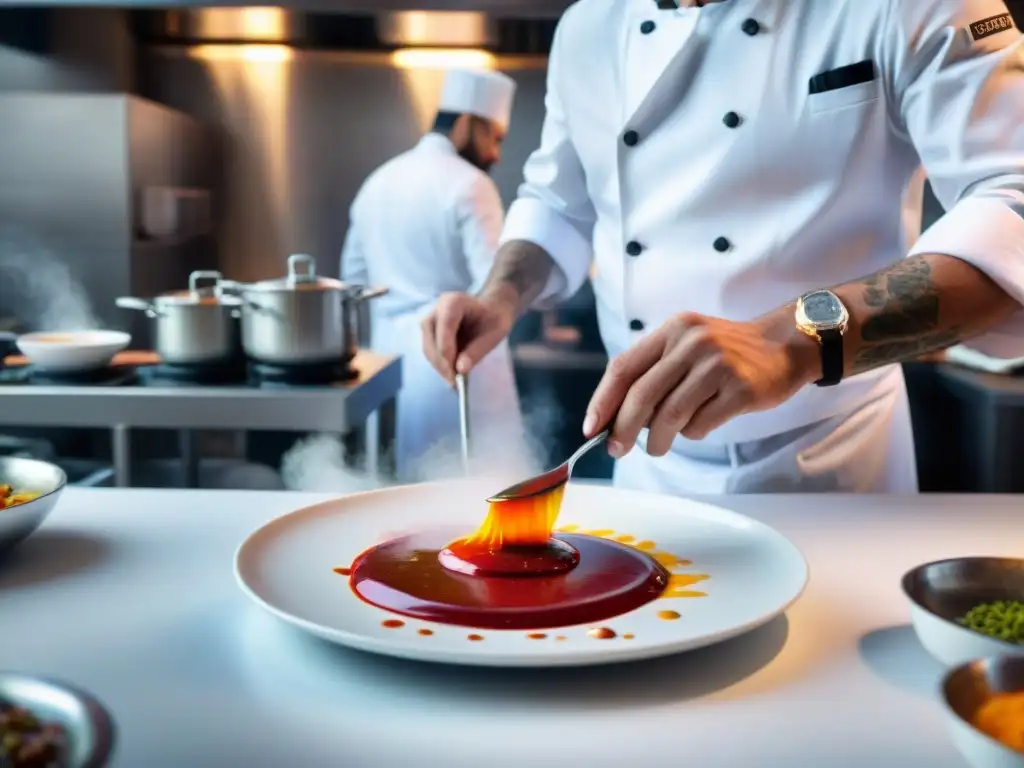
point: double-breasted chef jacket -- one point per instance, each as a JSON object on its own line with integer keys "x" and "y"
{"x": 726, "y": 159}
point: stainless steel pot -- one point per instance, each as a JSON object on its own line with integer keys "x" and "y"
{"x": 199, "y": 326}
{"x": 302, "y": 319}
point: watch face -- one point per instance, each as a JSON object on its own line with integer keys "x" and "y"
{"x": 822, "y": 308}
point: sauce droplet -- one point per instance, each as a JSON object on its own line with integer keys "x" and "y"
{"x": 668, "y": 615}
{"x": 560, "y": 637}
{"x": 628, "y": 637}
{"x": 536, "y": 635}
{"x": 343, "y": 571}
{"x": 392, "y": 623}
{"x": 602, "y": 633}
{"x": 476, "y": 638}
{"x": 426, "y": 632}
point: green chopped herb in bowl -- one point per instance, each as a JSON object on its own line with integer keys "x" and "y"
{"x": 1002, "y": 619}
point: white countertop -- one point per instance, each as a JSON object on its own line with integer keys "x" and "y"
{"x": 130, "y": 594}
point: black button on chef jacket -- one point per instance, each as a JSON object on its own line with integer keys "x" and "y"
{"x": 731, "y": 120}
{"x": 721, "y": 244}
{"x": 633, "y": 248}
{"x": 647, "y": 27}
{"x": 750, "y": 27}
{"x": 630, "y": 138}
{"x": 636, "y": 325}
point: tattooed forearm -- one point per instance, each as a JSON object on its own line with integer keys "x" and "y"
{"x": 906, "y": 349}
{"x": 520, "y": 272}
{"x": 905, "y": 302}
{"x": 918, "y": 305}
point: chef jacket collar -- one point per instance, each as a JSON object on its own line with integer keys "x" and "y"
{"x": 435, "y": 141}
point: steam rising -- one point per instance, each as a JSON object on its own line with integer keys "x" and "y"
{"x": 38, "y": 289}
{"x": 318, "y": 463}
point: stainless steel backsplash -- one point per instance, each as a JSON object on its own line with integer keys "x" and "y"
{"x": 301, "y": 132}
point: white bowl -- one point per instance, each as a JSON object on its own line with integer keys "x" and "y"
{"x": 965, "y": 689}
{"x": 941, "y": 592}
{"x": 48, "y": 479}
{"x": 72, "y": 350}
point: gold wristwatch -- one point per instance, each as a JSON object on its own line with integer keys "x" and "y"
{"x": 822, "y": 316}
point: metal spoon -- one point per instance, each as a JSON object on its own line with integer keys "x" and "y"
{"x": 551, "y": 479}
{"x": 461, "y": 385}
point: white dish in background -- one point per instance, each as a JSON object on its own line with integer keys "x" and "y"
{"x": 942, "y": 591}
{"x": 966, "y": 688}
{"x": 28, "y": 475}
{"x": 951, "y": 644}
{"x": 72, "y": 350}
{"x": 286, "y": 567}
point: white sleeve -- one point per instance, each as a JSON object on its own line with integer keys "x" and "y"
{"x": 480, "y": 215}
{"x": 553, "y": 209}
{"x": 958, "y": 92}
{"x": 353, "y": 258}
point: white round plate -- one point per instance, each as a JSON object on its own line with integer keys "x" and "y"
{"x": 754, "y": 574}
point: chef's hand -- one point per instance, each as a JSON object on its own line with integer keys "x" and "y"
{"x": 694, "y": 373}
{"x": 461, "y": 330}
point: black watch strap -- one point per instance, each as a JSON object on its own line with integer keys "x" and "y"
{"x": 830, "y": 343}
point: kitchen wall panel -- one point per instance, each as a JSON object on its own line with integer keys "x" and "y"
{"x": 301, "y": 132}
{"x": 89, "y": 50}
{"x": 63, "y": 207}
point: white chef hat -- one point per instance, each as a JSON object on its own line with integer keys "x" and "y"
{"x": 478, "y": 92}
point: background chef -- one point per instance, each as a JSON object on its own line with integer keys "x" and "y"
{"x": 723, "y": 165}
{"x": 426, "y": 222}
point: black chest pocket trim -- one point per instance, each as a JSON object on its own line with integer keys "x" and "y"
{"x": 842, "y": 77}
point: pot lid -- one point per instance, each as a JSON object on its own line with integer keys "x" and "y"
{"x": 301, "y": 277}
{"x": 199, "y": 294}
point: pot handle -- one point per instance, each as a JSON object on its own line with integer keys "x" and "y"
{"x": 361, "y": 293}
{"x": 203, "y": 274}
{"x": 294, "y": 275}
{"x": 230, "y": 288}
{"x": 140, "y": 305}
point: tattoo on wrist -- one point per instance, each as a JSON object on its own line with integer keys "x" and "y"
{"x": 904, "y": 322}
{"x": 521, "y": 267}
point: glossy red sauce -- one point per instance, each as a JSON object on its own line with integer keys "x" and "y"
{"x": 554, "y": 557}
{"x": 405, "y": 576}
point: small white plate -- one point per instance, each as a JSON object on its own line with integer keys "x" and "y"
{"x": 754, "y": 574}
{"x": 72, "y": 350}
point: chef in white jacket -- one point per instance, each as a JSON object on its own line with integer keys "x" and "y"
{"x": 734, "y": 170}
{"x": 426, "y": 222}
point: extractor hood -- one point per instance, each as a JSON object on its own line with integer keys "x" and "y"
{"x": 318, "y": 30}
{"x": 517, "y": 9}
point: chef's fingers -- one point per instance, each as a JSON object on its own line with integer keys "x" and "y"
{"x": 618, "y": 378}
{"x": 729, "y": 403}
{"x": 677, "y": 409}
{"x": 449, "y": 313}
{"x": 644, "y": 397}
{"x": 477, "y": 347}
{"x": 429, "y": 331}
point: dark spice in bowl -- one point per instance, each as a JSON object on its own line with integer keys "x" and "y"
{"x": 28, "y": 742}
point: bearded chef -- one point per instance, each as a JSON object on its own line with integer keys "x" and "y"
{"x": 426, "y": 222}
{"x": 734, "y": 170}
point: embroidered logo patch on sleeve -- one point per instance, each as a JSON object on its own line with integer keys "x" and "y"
{"x": 990, "y": 26}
